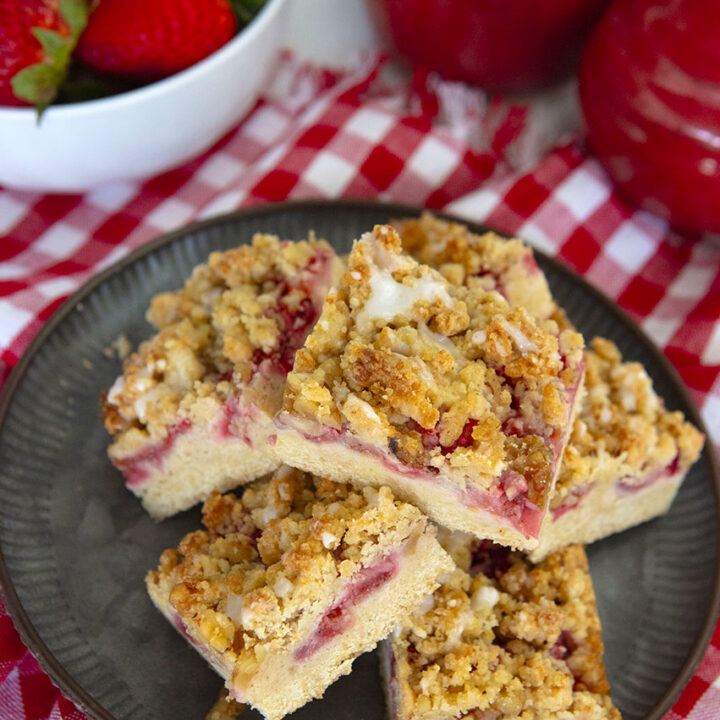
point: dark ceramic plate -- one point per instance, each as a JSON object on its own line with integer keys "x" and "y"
{"x": 76, "y": 544}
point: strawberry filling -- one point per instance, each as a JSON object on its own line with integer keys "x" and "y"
{"x": 138, "y": 467}
{"x": 507, "y": 498}
{"x": 431, "y": 437}
{"x": 499, "y": 286}
{"x": 213, "y": 658}
{"x": 295, "y": 325}
{"x": 628, "y": 485}
{"x": 564, "y": 646}
{"x": 572, "y": 501}
{"x": 490, "y": 559}
{"x": 338, "y": 618}
{"x": 234, "y": 420}
{"x": 295, "y": 328}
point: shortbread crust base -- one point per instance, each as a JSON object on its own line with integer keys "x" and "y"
{"x": 605, "y": 510}
{"x": 438, "y": 499}
{"x": 202, "y": 460}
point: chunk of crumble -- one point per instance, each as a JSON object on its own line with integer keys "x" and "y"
{"x": 487, "y": 261}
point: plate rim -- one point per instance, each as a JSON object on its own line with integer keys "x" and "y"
{"x": 72, "y": 689}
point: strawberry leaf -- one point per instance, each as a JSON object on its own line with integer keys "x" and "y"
{"x": 57, "y": 48}
{"x": 246, "y": 10}
{"x": 37, "y": 84}
{"x": 75, "y": 13}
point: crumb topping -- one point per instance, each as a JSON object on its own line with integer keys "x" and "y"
{"x": 505, "y": 637}
{"x": 237, "y": 322}
{"x": 486, "y": 261}
{"x": 444, "y": 376}
{"x": 225, "y": 708}
{"x": 622, "y": 428}
{"x": 269, "y": 563}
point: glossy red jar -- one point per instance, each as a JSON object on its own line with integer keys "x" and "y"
{"x": 501, "y": 45}
{"x": 650, "y": 95}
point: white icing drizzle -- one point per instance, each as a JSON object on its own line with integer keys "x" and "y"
{"x": 234, "y": 609}
{"x": 521, "y": 340}
{"x": 389, "y": 298}
{"x": 426, "y": 604}
{"x": 282, "y": 587}
{"x": 484, "y": 598}
{"x": 442, "y": 341}
{"x": 366, "y": 409}
{"x": 117, "y": 387}
{"x": 479, "y": 337}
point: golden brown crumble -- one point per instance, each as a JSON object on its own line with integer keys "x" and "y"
{"x": 505, "y": 637}
{"x": 234, "y": 310}
{"x": 120, "y": 347}
{"x": 225, "y": 708}
{"x": 487, "y": 261}
{"x": 445, "y": 376}
{"x": 267, "y": 563}
{"x": 623, "y": 428}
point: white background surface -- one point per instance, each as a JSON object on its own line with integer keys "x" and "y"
{"x": 331, "y": 32}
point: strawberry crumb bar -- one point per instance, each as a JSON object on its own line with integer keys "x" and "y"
{"x": 192, "y": 411}
{"x": 626, "y": 457}
{"x": 627, "y": 454}
{"x": 501, "y": 639}
{"x": 444, "y": 393}
{"x": 288, "y": 585}
{"x": 486, "y": 261}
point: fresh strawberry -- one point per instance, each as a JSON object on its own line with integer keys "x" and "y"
{"x": 150, "y": 39}
{"x": 37, "y": 38}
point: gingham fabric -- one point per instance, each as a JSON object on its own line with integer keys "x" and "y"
{"x": 319, "y": 134}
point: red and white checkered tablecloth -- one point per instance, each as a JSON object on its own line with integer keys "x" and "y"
{"x": 321, "y": 134}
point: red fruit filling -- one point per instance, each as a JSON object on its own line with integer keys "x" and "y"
{"x": 465, "y": 439}
{"x": 564, "y": 646}
{"x": 234, "y": 420}
{"x": 519, "y": 511}
{"x": 295, "y": 324}
{"x": 497, "y": 282}
{"x": 138, "y": 467}
{"x": 507, "y": 498}
{"x": 339, "y": 616}
{"x": 628, "y": 485}
{"x": 572, "y": 501}
{"x": 212, "y": 657}
{"x": 490, "y": 559}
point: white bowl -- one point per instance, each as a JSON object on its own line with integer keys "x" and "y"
{"x": 143, "y": 132}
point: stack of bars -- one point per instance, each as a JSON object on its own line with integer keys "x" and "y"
{"x": 441, "y": 445}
